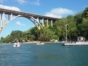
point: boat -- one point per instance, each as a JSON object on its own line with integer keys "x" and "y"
{"x": 40, "y": 43}
{"x": 16, "y": 44}
{"x": 80, "y": 40}
{"x": 76, "y": 43}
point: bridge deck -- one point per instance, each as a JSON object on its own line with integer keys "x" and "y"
{"x": 25, "y": 14}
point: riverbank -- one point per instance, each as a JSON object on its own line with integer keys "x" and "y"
{"x": 33, "y": 42}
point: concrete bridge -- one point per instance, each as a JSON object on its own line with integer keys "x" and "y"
{"x": 36, "y": 19}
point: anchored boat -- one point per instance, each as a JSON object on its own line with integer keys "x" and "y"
{"x": 76, "y": 43}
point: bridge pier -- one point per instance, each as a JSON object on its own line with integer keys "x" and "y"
{"x": 1, "y": 20}
{"x": 38, "y": 20}
{"x": 43, "y": 22}
{"x": 47, "y": 23}
{"x": 3, "y": 17}
{"x": 51, "y": 22}
{"x": 10, "y": 16}
{"x": 0, "y": 23}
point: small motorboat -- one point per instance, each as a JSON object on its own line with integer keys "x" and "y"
{"x": 16, "y": 44}
{"x": 40, "y": 43}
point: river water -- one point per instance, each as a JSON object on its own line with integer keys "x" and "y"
{"x": 43, "y": 55}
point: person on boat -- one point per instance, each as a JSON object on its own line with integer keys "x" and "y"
{"x": 18, "y": 44}
{"x": 15, "y": 44}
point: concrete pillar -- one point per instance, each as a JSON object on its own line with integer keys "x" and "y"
{"x": 47, "y": 23}
{"x": 0, "y": 20}
{"x": 11, "y": 16}
{"x": 0, "y": 24}
{"x": 8, "y": 17}
{"x": 38, "y": 20}
{"x": 43, "y": 22}
{"x": 3, "y": 18}
{"x": 51, "y": 22}
{"x": 56, "y": 21}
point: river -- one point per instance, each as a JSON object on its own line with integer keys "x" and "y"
{"x": 52, "y": 54}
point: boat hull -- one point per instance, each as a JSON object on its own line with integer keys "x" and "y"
{"x": 76, "y": 43}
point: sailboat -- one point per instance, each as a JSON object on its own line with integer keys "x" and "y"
{"x": 79, "y": 42}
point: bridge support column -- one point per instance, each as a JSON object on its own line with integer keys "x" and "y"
{"x": 43, "y": 22}
{"x": 51, "y": 22}
{"x": 10, "y": 16}
{"x": 56, "y": 21}
{"x": 47, "y": 23}
{"x": 3, "y": 18}
{"x": 38, "y": 19}
{"x": 0, "y": 20}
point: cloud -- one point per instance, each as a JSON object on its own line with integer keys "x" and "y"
{"x": 20, "y": 24}
{"x": 21, "y": 1}
{"x": 53, "y": 15}
{"x": 9, "y": 7}
{"x": 37, "y": 2}
{"x": 59, "y": 12}
{"x": 31, "y": 2}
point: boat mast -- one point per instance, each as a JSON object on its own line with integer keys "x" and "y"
{"x": 66, "y": 31}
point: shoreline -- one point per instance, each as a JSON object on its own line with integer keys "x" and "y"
{"x": 31, "y": 42}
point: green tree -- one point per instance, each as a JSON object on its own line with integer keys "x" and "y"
{"x": 72, "y": 29}
{"x": 85, "y": 13}
{"x": 46, "y": 34}
{"x": 60, "y": 28}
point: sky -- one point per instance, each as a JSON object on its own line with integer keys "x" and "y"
{"x": 52, "y": 8}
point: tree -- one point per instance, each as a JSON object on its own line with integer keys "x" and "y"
{"x": 46, "y": 34}
{"x": 60, "y": 28}
{"x": 85, "y": 13}
{"x": 72, "y": 29}
{"x": 35, "y": 31}
{"x": 16, "y": 35}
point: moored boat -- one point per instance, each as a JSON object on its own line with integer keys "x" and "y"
{"x": 16, "y": 44}
{"x": 76, "y": 43}
{"x": 40, "y": 43}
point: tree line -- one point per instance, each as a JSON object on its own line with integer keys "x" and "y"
{"x": 77, "y": 26}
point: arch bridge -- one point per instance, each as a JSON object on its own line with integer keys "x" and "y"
{"x": 35, "y": 18}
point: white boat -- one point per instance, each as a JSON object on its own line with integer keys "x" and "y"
{"x": 40, "y": 43}
{"x": 79, "y": 42}
{"x": 16, "y": 44}
{"x": 76, "y": 43}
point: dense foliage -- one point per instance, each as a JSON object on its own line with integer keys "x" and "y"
{"x": 77, "y": 26}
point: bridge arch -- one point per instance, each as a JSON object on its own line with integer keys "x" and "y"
{"x": 33, "y": 20}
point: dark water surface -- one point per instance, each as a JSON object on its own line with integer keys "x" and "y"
{"x": 43, "y": 55}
